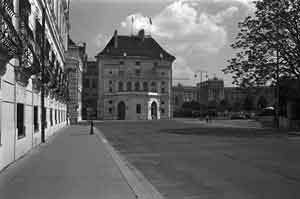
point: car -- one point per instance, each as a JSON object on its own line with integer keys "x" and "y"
{"x": 238, "y": 116}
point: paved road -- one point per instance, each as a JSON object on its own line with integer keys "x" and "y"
{"x": 74, "y": 165}
{"x": 194, "y": 161}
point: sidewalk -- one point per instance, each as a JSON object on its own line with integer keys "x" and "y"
{"x": 73, "y": 165}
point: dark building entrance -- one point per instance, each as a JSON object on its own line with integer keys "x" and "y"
{"x": 154, "y": 111}
{"x": 121, "y": 110}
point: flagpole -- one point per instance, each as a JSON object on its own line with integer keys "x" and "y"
{"x": 132, "y": 21}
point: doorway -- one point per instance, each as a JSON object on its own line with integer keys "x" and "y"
{"x": 121, "y": 111}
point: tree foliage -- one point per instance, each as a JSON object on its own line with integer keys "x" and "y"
{"x": 266, "y": 40}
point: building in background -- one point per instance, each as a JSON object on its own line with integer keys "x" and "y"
{"x": 182, "y": 94}
{"x": 75, "y": 63}
{"x": 211, "y": 92}
{"x": 21, "y": 67}
{"x": 90, "y": 91}
{"x": 135, "y": 79}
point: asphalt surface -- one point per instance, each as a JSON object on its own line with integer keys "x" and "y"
{"x": 72, "y": 165}
{"x": 187, "y": 160}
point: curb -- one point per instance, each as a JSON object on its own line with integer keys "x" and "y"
{"x": 142, "y": 188}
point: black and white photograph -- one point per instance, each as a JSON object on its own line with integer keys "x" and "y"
{"x": 149, "y": 99}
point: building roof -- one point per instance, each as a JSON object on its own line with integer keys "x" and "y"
{"x": 135, "y": 46}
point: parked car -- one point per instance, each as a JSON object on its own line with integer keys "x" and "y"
{"x": 238, "y": 116}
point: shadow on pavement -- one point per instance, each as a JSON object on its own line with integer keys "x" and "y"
{"x": 226, "y": 132}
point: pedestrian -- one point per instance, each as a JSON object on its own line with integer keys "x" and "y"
{"x": 207, "y": 118}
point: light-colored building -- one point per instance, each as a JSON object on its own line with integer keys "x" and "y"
{"x": 20, "y": 92}
{"x": 135, "y": 79}
{"x": 182, "y": 94}
{"x": 211, "y": 92}
{"x": 90, "y": 91}
{"x": 75, "y": 63}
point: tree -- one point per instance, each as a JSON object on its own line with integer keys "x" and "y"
{"x": 268, "y": 44}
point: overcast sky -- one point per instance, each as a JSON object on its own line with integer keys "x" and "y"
{"x": 197, "y": 32}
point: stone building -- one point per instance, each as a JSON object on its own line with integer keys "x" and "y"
{"x": 135, "y": 79}
{"x": 211, "y": 92}
{"x": 182, "y": 94}
{"x": 23, "y": 22}
{"x": 90, "y": 91}
{"x": 75, "y": 63}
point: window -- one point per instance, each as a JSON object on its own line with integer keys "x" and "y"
{"x": 86, "y": 83}
{"x": 121, "y": 62}
{"x": 138, "y": 108}
{"x": 110, "y": 82}
{"x": 35, "y": 119}
{"x": 110, "y": 102}
{"x": 137, "y": 86}
{"x": 110, "y": 72}
{"x": 145, "y": 86}
{"x": 163, "y": 90}
{"x": 153, "y": 87}
{"x": 110, "y": 89}
{"x": 121, "y": 89}
{"x": 94, "y": 83}
{"x": 121, "y": 73}
{"x": 162, "y": 102}
{"x": 129, "y": 86}
{"x": 110, "y": 110}
{"x": 155, "y": 64}
{"x": 138, "y": 63}
{"x": 20, "y": 121}
{"x": 163, "y": 83}
{"x": 55, "y": 116}
{"x": 162, "y": 111}
{"x": 51, "y": 119}
{"x": 162, "y": 73}
{"x": 137, "y": 72}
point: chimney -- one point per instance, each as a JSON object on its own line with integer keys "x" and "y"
{"x": 141, "y": 35}
{"x": 116, "y": 39}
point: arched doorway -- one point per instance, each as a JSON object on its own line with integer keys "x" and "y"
{"x": 121, "y": 110}
{"x": 154, "y": 111}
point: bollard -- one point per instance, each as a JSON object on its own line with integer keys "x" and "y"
{"x": 92, "y": 128}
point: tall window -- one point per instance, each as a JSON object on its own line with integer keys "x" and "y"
{"x": 51, "y": 121}
{"x": 55, "y": 116}
{"x": 35, "y": 119}
{"x": 145, "y": 86}
{"x": 153, "y": 87}
{"x": 138, "y": 108}
{"x": 137, "y": 72}
{"x": 20, "y": 120}
{"x": 94, "y": 83}
{"x": 121, "y": 87}
{"x": 137, "y": 86}
{"x": 129, "y": 86}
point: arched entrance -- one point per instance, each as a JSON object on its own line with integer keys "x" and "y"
{"x": 154, "y": 111}
{"x": 121, "y": 110}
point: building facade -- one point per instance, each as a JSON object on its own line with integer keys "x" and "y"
{"x": 211, "y": 92}
{"x": 182, "y": 94}
{"x": 90, "y": 91}
{"x": 76, "y": 61}
{"x": 135, "y": 79}
{"x": 22, "y": 45}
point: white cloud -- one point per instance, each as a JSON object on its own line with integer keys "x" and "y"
{"x": 182, "y": 27}
{"x": 101, "y": 40}
{"x": 182, "y": 72}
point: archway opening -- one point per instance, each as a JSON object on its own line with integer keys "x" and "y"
{"x": 154, "y": 111}
{"x": 121, "y": 110}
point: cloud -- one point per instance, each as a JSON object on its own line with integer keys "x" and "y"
{"x": 101, "y": 40}
{"x": 182, "y": 72}
{"x": 183, "y": 28}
